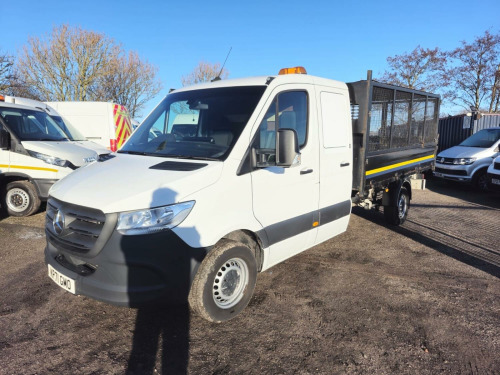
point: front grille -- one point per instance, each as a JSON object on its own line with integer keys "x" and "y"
{"x": 440, "y": 160}
{"x": 496, "y": 165}
{"x": 82, "y": 226}
{"x": 453, "y": 172}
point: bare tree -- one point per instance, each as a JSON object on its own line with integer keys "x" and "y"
{"x": 472, "y": 76}
{"x": 204, "y": 72}
{"x": 495, "y": 91}
{"x": 67, "y": 65}
{"x": 130, "y": 82}
{"x": 6, "y": 71}
{"x": 420, "y": 69}
{"x": 81, "y": 65}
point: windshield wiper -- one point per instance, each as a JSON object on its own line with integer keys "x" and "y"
{"x": 133, "y": 152}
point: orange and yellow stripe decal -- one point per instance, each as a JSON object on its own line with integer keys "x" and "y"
{"x": 122, "y": 124}
{"x": 397, "y": 165}
{"x": 27, "y": 167}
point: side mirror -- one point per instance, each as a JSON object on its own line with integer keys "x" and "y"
{"x": 4, "y": 140}
{"x": 287, "y": 148}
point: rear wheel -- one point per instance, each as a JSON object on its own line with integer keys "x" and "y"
{"x": 396, "y": 215}
{"x": 20, "y": 199}
{"x": 224, "y": 283}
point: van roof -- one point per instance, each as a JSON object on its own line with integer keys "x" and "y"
{"x": 19, "y": 106}
{"x": 264, "y": 80}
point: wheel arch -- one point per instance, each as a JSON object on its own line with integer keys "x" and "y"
{"x": 482, "y": 169}
{"x": 9, "y": 177}
{"x": 251, "y": 240}
{"x": 407, "y": 185}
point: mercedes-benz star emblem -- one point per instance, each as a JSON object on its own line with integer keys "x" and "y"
{"x": 58, "y": 222}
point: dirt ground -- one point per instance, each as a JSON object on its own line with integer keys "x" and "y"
{"x": 420, "y": 299}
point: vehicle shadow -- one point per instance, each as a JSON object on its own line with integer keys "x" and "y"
{"x": 463, "y": 191}
{"x": 160, "y": 341}
{"x": 432, "y": 238}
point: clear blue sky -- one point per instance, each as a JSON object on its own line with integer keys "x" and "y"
{"x": 334, "y": 39}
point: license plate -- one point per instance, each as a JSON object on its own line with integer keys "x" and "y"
{"x": 495, "y": 181}
{"x": 437, "y": 174}
{"x": 64, "y": 282}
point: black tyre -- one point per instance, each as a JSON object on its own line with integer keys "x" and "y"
{"x": 398, "y": 214}
{"x": 20, "y": 198}
{"x": 224, "y": 283}
{"x": 480, "y": 180}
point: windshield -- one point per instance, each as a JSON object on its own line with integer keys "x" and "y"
{"x": 70, "y": 130}
{"x": 484, "y": 138}
{"x": 32, "y": 125}
{"x": 198, "y": 124}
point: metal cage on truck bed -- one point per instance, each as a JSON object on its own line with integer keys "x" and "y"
{"x": 394, "y": 132}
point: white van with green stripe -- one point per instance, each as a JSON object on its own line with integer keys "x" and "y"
{"x": 226, "y": 179}
{"x": 34, "y": 154}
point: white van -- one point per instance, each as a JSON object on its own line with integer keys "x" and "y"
{"x": 226, "y": 179}
{"x": 73, "y": 134}
{"x": 469, "y": 161}
{"x": 494, "y": 175}
{"x": 107, "y": 124}
{"x": 34, "y": 154}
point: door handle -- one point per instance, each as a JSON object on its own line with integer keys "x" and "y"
{"x": 306, "y": 171}
{"x": 344, "y": 164}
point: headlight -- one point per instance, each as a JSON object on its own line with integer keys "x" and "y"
{"x": 48, "y": 159}
{"x": 464, "y": 161}
{"x": 153, "y": 220}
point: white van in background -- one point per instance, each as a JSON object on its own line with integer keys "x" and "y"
{"x": 73, "y": 134}
{"x": 107, "y": 124}
{"x": 494, "y": 175}
{"x": 34, "y": 154}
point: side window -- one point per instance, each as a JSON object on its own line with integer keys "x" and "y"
{"x": 335, "y": 120}
{"x": 288, "y": 110}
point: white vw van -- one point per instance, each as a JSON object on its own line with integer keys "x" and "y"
{"x": 469, "y": 161}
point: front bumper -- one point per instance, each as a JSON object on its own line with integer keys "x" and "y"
{"x": 132, "y": 270}
{"x": 453, "y": 172}
{"x": 493, "y": 182}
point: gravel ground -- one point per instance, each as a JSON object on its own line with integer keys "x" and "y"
{"x": 419, "y": 299}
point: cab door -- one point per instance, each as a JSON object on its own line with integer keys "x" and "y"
{"x": 285, "y": 200}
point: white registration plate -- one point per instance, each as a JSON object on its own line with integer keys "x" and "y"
{"x": 495, "y": 181}
{"x": 437, "y": 174}
{"x": 64, "y": 282}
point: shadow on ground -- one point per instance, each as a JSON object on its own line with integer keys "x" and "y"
{"x": 432, "y": 237}
{"x": 463, "y": 191}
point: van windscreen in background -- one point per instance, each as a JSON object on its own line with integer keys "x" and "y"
{"x": 484, "y": 138}
{"x": 72, "y": 133}
{"x": 197, "y": 124}
{"x": 31, "y": 125}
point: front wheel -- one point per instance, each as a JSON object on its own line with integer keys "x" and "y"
{"x": 398, "y": 214}
{"x": 20, "y": 199}
{"x": 480, "y": 181}
{"x": 224, "y": 283}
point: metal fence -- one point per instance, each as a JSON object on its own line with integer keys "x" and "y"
{"x": 454, "y": 129}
